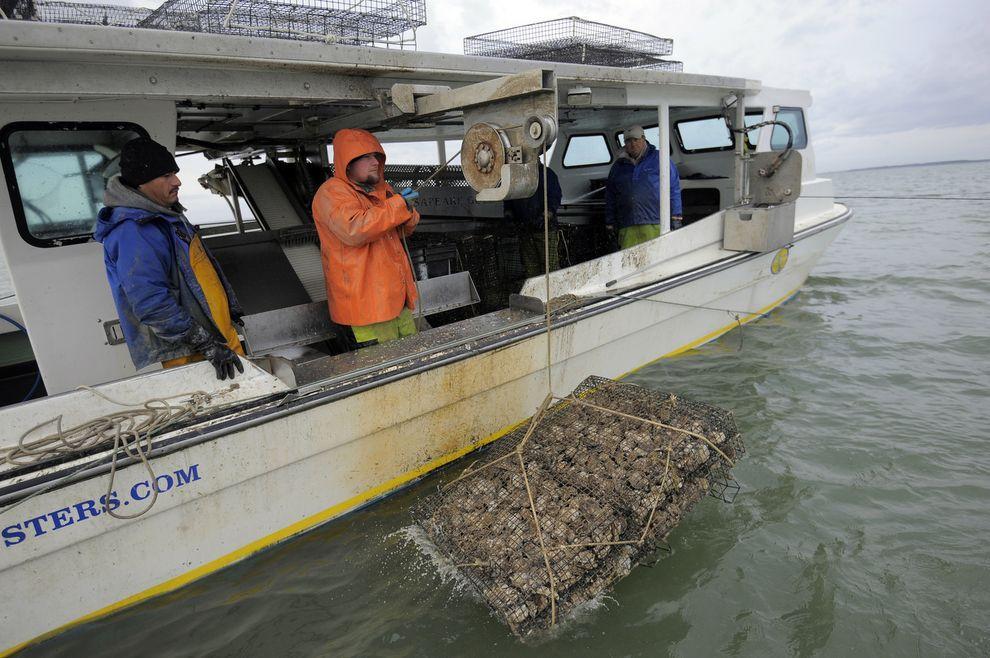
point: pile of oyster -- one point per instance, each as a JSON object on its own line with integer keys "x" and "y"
{"x": 606, "y": 490}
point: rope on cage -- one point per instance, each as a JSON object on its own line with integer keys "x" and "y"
{"x": 546, "y": 550}
{"x": 653, "y": 422}
{"x": 537, "y": 418}
{"x": 470, "y": 470}
{"x": 517, "y": 452}
{"x": 546, "y": 263}
{"x": 649, "y": 521}
{"x": 130, "y": 431}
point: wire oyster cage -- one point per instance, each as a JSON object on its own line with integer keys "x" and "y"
{"x": 84, "y": 13}
{"x": 389, "y": 23}
{"x": 561, "y": 508}
{"x": 351, "y": 22}
{"x": 575, "y": 40}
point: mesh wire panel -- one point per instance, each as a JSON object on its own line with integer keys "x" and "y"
{"x": 414, "y": 175}
{"x": 353, "y": 22}
{"x": 479, "y": 253}
{"x": 56, "y": 11}
{"x": 606, "y": 490}
{"x": 495, "y": 263}
{"x": 576, "y": 41}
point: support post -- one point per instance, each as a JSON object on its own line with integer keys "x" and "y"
{"x": 740, "y": 171}
{"x": 663, "y": 115}
{"x": 235, "y": 198}
{"x": 441, "y": 151}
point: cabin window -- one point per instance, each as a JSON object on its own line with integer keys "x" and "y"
{"x": 56, "y": 174}
{"x": 753, "y": 136}
{"x": 587, "y": 150}
{"x": 793, "y": 117}
{"x": 707, "y": 134}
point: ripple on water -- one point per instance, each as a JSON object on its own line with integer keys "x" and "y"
{"x": 861, "y": 527}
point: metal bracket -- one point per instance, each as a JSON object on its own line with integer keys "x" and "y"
{"x": 395, "y": 104}
{"x": 518, "y": 182}
{"x": 783, "y": 186}
{"x": 115, "y": 335}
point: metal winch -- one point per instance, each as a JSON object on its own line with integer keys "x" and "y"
{"x": 500, "y": 153}
{"x": 501, "y": 163}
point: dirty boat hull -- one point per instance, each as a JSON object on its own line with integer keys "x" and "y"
{"x": 241, "y": 488}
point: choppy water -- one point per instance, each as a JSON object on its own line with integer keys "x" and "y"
{"x": 862, "y": 526}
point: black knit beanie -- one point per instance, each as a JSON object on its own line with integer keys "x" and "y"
{"x": 143, "y": 159}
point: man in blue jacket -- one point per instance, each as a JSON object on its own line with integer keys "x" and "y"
{"x": 632, "y": 193}
{"x": 175, "y": 305}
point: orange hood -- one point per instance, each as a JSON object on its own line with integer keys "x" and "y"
{"x": 351, "y": 143}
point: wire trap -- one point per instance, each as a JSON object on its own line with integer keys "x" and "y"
{"x": 569, "y": 503}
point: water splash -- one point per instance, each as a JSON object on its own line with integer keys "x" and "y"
{"x": 435, "y": 560}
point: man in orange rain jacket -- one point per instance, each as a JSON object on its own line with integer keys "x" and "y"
{"x": 361, "y": 222}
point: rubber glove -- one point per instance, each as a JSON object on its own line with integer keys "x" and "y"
{"x": 223, "y": 359}
{"x": 409, "y": 194}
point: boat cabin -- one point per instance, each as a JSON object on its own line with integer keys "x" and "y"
{"x": 258, "y": 118}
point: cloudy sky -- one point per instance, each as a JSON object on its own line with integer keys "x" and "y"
{"x": 893, "y": 82}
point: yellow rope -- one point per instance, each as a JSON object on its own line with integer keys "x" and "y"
{"x": 653, "y": 422}
{"x": 546, "y": 264}
{"x": 539, "y": 535}
{"x": 538, "y": 417}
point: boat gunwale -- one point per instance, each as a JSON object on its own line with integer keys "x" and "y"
{"x": 282, "y": 404}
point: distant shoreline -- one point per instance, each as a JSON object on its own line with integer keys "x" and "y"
{"x": 913, "y": 164}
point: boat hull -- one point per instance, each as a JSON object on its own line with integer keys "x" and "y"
{"x": 273, "y": 477}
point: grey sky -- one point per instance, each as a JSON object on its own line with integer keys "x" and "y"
{"x": 893, "y": 82}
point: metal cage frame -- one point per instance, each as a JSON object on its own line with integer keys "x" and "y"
{"x": 576, "y": 40}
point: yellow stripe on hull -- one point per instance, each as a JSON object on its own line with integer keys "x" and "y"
{"x": 346, "y": 506}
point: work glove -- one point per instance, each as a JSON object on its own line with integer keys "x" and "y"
{"x": 409, "y": 195}
{"x": 224, "y": 359}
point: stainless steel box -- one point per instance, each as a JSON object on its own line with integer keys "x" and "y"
{"x": 759, "y": 229}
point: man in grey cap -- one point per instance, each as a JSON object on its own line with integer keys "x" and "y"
{"x": 175, "y": 305}
{"x": 632, "y": 193}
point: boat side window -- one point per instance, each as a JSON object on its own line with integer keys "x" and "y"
{"x": 56, "y": 174}
{"x": 587, "y": 150}
{"x": 704, "y": 134}
{"x": 653, "y": 132}
{"x": 793, "y": 117}
{"x": 753, "y": 136}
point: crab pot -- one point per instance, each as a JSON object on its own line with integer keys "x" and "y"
{"x": 542, "y": 529}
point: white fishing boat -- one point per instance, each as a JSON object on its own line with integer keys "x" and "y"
{"x": 313, "y": 431}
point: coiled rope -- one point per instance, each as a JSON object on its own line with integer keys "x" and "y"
{"x": 129, "y": 430}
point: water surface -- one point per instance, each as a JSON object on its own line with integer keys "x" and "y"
{"x": 862, "y": 524}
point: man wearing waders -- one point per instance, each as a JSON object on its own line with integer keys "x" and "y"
{"x": 632, "y": 193}
{"x": 361, "y": 222}
{"x": 175, "y": 305}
